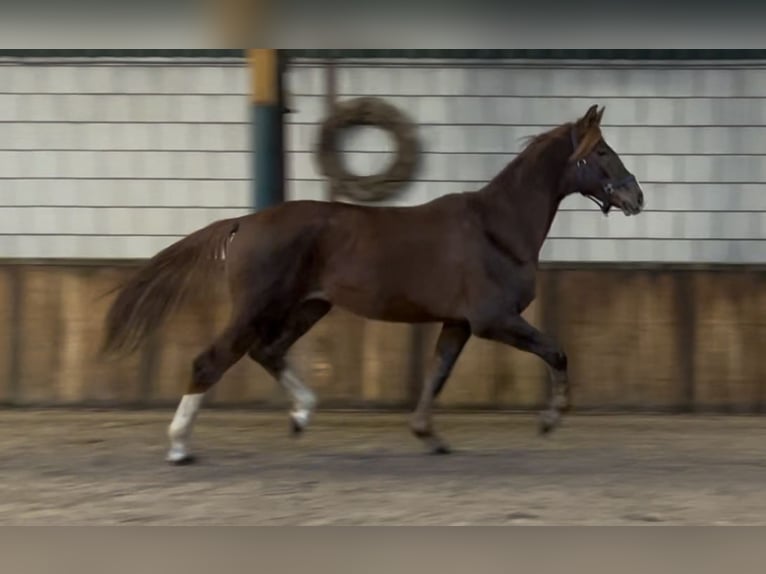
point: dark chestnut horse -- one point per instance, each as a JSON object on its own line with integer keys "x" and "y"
{"x": 466, "y": 260}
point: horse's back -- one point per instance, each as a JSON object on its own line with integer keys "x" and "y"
{"x": 390, "y": 263}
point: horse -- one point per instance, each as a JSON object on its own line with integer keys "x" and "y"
{"x": 466, "y": 260}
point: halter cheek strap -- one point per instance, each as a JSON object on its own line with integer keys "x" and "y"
{"x": 582, "y": 166}
{"x": 581, "y": 169}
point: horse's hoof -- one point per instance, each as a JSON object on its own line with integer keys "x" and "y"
{"x": 296, "y": 429}
{"x": 435, "y": 444}
{"x": 299, "y": 420}
{"x": 548, "y": 422}
{"x": 184, "y": 460}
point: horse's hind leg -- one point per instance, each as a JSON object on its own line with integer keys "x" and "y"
{"x": 271, "y": 356}
{"x": 208, "y": 368}
{"x": 452, "y": 339}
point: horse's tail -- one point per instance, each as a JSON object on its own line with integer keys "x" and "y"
{"x": 149, "y": 296}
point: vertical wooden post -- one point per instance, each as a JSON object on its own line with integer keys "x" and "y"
{"x": 16, "y": 331}
{"x": 687, "y": 326}
{"x": 330, "y": 100}
{"x": 267, "y": 127}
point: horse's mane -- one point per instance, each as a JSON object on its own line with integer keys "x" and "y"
{"x": 535, "y": 144}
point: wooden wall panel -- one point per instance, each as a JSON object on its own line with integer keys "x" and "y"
{"x": 730, "y": 341}
{"x": 619, "y": 330}
{"x": 671, "y": 339}
{"x": 8, "y": 335}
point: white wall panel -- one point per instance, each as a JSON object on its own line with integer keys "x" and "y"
{"x": 119, "y": 160}
{"x": 694, "y": 135}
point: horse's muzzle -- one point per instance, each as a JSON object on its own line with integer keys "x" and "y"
{"x": 629, "y": 199}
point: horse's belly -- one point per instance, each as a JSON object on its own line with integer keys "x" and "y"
{"x": 399, "y": 280}
{"x": 396, "y": 312}
{"x": 385, "y": 302}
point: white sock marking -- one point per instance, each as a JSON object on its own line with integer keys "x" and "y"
{"x": 180, "y": 428}
{"x": 304, "y": 399}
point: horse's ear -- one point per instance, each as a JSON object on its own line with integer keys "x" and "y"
{"x": 600, "y": 115}
{"x": 590, "y": 118}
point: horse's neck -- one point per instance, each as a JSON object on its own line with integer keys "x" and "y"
{"x": 519, "y": 207}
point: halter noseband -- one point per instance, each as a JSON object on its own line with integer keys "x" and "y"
{"x": 607, "y": 186}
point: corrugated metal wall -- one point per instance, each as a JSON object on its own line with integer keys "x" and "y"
{"x": 118, "y": 158}
{"x": 693, "y": 133}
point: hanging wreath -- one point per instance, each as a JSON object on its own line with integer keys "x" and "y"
{"x": 368, "y": 111}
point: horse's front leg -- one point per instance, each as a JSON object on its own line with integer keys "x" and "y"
{"x": 515, "y": 331}
{"x": 452, "y": 339}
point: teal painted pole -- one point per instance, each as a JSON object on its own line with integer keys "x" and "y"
{"x": 267, "y": 125}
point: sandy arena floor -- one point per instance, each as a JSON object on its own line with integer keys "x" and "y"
{"x": 97, "y": 467}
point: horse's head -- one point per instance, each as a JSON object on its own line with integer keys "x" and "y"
{"x": 597, "y": 171}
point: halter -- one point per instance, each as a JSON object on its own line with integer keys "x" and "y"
{"x": 607, "y": 186}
